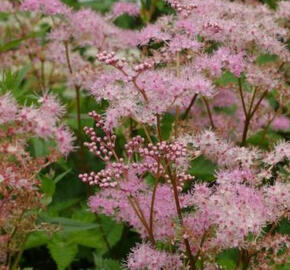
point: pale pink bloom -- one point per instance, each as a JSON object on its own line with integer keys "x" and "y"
{"x": 225, "y": 153}
{"x": 281, "y": 123}
{"x": 120, "y": 8}
{"x": 51, "y": 107}
{"x": 6, "y": 6}
{"x": 151, "y": 33}
{"x": 280, "y": 152}
{"x": 49, "y": 7}
{"x": 277, "y": 200}
{"x": 64, "y": 139}
{"x": 8, "y": 108}
{"x": 236, "y": 209}
{"x": 146, "y": 257}
{"x": 181, "y": 42}
{"x": 224, "y": 98}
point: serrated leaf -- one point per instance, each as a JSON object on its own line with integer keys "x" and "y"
{"x": 112, "y": 229}
{"x": 63, "y": 253}
{"x": 106, "y": 264}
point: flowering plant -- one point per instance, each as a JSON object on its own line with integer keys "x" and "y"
{"x": 147, "y": 183}
{"x": 20, "y": 186}
{"x": 206, "y": 83}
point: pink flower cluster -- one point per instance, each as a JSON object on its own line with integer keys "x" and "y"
{"x": 144, "y": 256}
{"x": 21, "y": 195}
{"x": 42, "y": 121}
{"x": 225, "y": 214}
{"x": 120, "y": 8}
{"x": 50, "y": 7}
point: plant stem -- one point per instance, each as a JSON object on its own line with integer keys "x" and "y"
{"x": 249, "y": 115}
{"x": 147, "y": 133}
{"x": 152, "y": 207}
{"x": 159, "y": 135}
{"x": 179, "y": 214}
{"x": 245, "y": 259}
{"x": 176, "y": 122}
{"x": 238, "y": 260}
{"x": 189, "y": 107}
{"x": 208, "y": 112}
{"x": 19, "y": 254}
{"x": 153, "y": 200}
{"x": 258, "y": 103}
{"x": 245, "y": 131}
{"x": 140, "y": 215}
{"x": 43, "y": 74}
{"x": 242, "y": 97}
{"x": 78, "y": 102}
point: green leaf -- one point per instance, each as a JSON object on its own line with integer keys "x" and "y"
{"x": 55, "y": 208}
{"x": 36, "y": 239}
{"x": 283, "y": 267}
{"x": 89, "y": 238}
{"x": 166, "y": 125}
{"x": 203, "y": 169}
{"x": 266, "y": 58}
{"x": 84, "y": 215}
{"x": 48, "y": 188}
{"x": 226, "y": 78}
{"x": 227, "y": 259}
{"x": 13, "y": 44}
{"x": 69, "y": 225}
{"x": 47, "y": 185}
{"x": 112, "y": 229}
{"x": 284, "y": 227}
{"x": 263, "y": 140}
{"x": 106, "y": 264}
{"x": 62, "y": 252}
{"x": 61, "y": 176}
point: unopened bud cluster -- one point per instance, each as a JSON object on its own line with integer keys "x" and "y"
{"x": 169, "y": 151}
{"x": 101, "y": 146}
{"x": 185, "y": 9}
{"x": 143, "y": 66}
{"x": 133, "y": 145}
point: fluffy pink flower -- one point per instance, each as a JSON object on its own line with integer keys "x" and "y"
{"x": 120, "y": 8}
{"x": 181, "y": 42}
{"x": 281, "y": 123}
{"x": 277, "y": 200}
{"x": 146, "y": 257}
{"x": 49, "y": 7}
{"x": 280, "y": 152}
{"x": 8, "y": 108}
{"x": 64, "y": 139}
{"x": 6, "y": 6}
{"x": 150, "y": 33}
{"x": 237, "y": 210}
